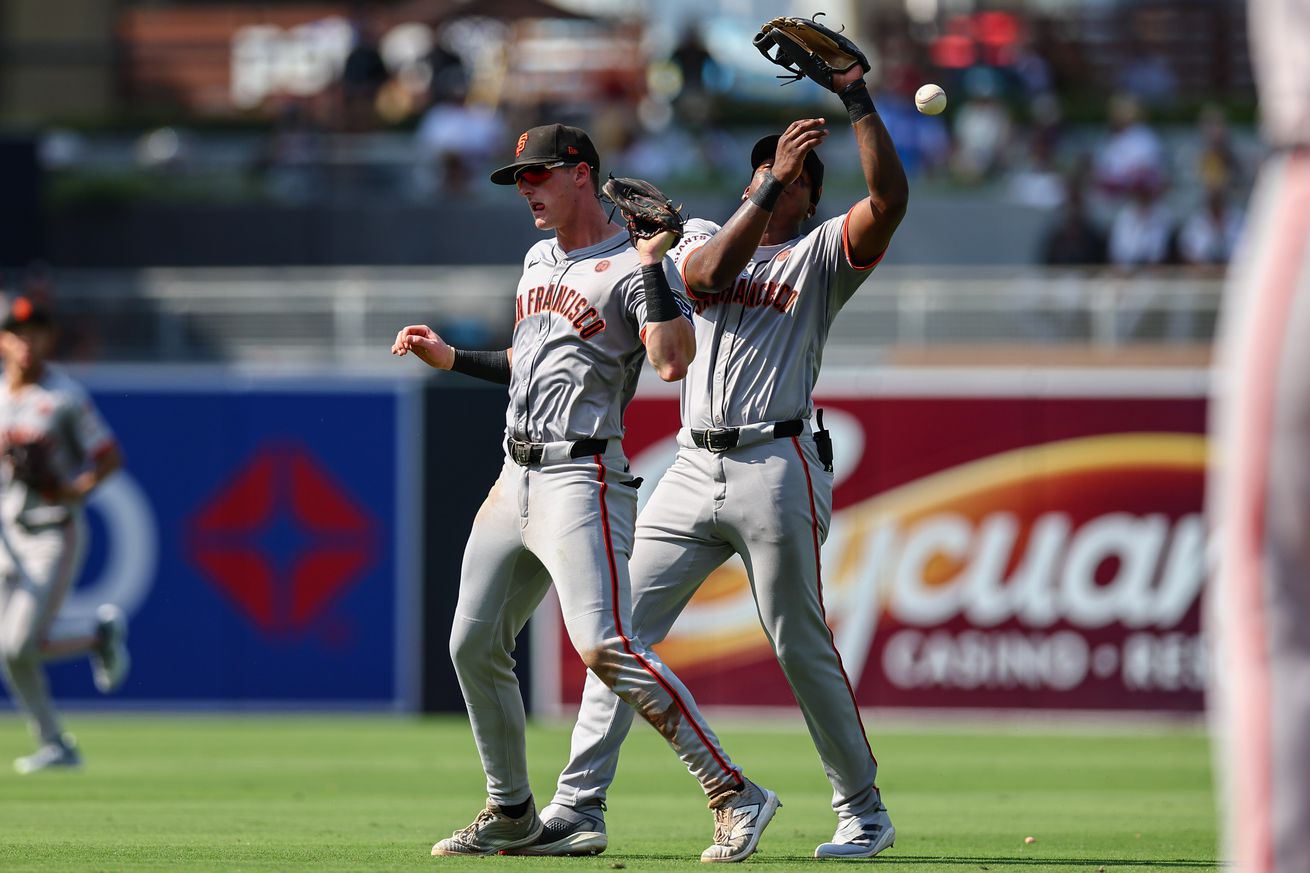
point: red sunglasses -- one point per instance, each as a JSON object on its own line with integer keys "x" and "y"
{"x": 536, "y": 173}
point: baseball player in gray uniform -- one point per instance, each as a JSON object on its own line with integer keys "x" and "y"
{"x": 588, "y": 310}
{"x": 1259, "y": 494}
{"x": 752, "y": 475}
{"x": 56, "y": 451}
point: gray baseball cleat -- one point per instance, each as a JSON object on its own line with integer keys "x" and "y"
{"x": 110, "y": 660}
{"x": 60, "y": 753}
{"x": 569, "y": 831}
{"x": 860, "y": 837}
{"x": 739, "y": 820}
{"x": 492, "y": 832}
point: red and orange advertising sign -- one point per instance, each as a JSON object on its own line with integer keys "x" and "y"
{"x": 1016, "y": 551}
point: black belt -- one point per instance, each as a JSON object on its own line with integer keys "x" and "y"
{"x": 525, "y": 454}
{"x": 720, "y": 439}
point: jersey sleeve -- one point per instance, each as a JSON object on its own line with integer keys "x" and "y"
{"x": 87, "y": 429}
{"x": 539, "y": 251}
{"x": 634, "y": 296}
{"x": 830, "y": 250}
{"x": 695, "y": 233}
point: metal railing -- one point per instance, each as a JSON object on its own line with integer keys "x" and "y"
{"x": 350, "y": 315}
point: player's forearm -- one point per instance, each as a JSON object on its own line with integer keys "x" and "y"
{"x": 89, "y": 480}
{"x": 889, "y": 189}
{"x": 670, "y": 347}
{"x": 716, "y": 264}
{"x": 487, "y": 366}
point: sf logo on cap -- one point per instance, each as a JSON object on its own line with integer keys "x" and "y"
{"x": 523, "y": 141}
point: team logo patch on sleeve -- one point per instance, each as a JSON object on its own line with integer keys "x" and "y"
{"x": 602, "y": 266}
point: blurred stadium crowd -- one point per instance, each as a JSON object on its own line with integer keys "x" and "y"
{"x": 1096, "y": 133}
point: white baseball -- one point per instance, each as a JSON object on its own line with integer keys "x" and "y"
{"x": 930, "y": 99}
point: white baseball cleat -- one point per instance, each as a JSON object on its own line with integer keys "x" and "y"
{"x": 739, "y": 820}
{"x": 492, "y": 832}
{"x": 569, "y": 831}
{"x": 860, "y": 837}
{"x": 110, "y": 660}
{"x": 59, "y": 754}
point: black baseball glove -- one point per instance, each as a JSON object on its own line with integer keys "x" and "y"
{"x": 32, "y": 465}
{"x": 644, "y": 207}
{"x": 804, "y": 47}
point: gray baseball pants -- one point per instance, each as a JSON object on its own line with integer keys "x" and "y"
{"x": 1259, "y": 502}
{"x": 769, "y": 501}
{"x": 570, "y": 521}
{"x": 37, "y": 569}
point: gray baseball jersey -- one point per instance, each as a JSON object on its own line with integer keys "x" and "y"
{"x": 579, "y": 322}
{"x": 56, "y": 412}
{"x": 1258, "y": 495}
{"x": 42, "y": 543}
{"x": 759, "y": 348}
{"x": 578, "y": 351}
{"x": 759, "y": 342}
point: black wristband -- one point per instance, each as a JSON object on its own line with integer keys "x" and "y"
{"x": 490, "y": 366}
{"x": 661, "y": 305}
{"x": 857, "y": 99}
{"x": 766, "y": 195}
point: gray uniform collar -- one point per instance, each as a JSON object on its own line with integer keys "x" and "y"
{"x": 602, "y": 247}
{"x": 764, "y": 253}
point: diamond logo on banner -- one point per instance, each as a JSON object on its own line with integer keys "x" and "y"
{"x": 282, "y": 540}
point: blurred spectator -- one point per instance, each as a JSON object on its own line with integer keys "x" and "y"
{"x": 1147, "y": 75}
{"x": 1038, "y": 181}
{"x": 1133, "y": 156}
{"x": 900, "y": 67}
{"x": 1210, "y": 234}
{"x": 982, "y": 128}
{"x": 696, "y": 71}
{"x": 449, "y": 78}
{"x": 290, "y": 165}
{"x": 1218, "y": 165}
{"x": 1031, "y": 69}
{"x": 1075, "y": 240}
{"x": 1142, "y": 231}
{"x": 455, "y": 140}
{"x": 362, "y": 75}
{"x": 691, "y": 57}
{"x": 922, "y": 141}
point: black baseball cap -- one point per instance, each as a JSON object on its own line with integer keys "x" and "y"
{"x": 548, "y": 144}
{"x": 23, "y": 311}
{"x": 766, "y": 148}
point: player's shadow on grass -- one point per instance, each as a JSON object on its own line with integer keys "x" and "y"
{"x": 989, "y": 863}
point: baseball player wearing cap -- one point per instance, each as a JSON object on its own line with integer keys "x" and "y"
{"x": 752, "y": 475}
{"x": 56, "y": 451}
{"x": 1258, "y": 609}
{"x": 588, "y": 309}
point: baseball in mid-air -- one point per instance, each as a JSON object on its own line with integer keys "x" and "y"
{"x": 930, "y": 99}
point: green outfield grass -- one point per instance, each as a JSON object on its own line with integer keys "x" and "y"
{"x": 350, "y": 793}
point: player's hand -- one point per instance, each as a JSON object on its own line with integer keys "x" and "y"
{"x": 841, "y": 80}
{"x": 800, "y": 137}
{"x": 652, "y": 251}
{"x": 424, "y": 342}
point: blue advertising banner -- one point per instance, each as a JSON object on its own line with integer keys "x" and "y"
{"x": 259, "y": 540}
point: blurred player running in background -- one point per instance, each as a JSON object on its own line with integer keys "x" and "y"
{"x": 57, "y": 450}
{"x": 1259, "y": 498}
